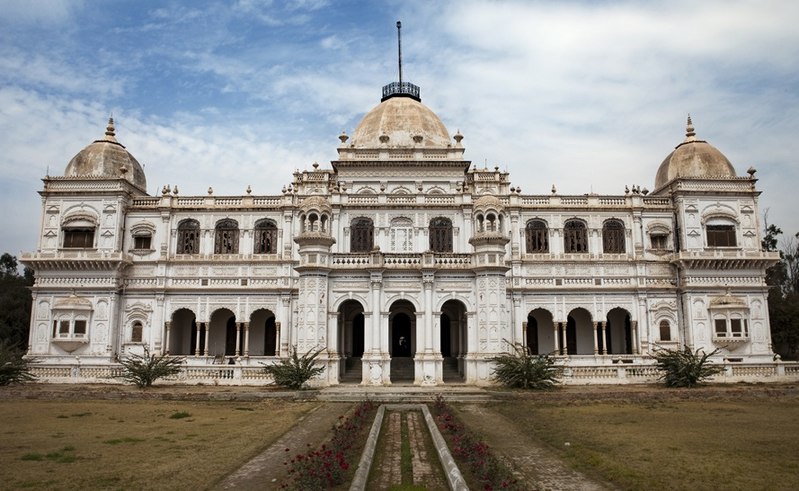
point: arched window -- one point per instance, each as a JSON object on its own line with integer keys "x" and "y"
{"x": 613, "y": 237}
{"x": 136, "y": 332}
{"x": 441, "y": 234}
{"x": 362, "y": 235}
{"x": 537, "y": 237}
{"x": 575, "y": 237}
{"x": 265, "y": 237}
{"x": 188, "y": 237}
{"x": 720, "y": 233}
{"x": 665, "y": 330}
{"x": 401, "y": 235}
{"x": 226, "y": 238}
{"x": 78, "y": 233}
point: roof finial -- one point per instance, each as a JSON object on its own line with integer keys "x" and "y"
{"x": 110, "y": 132}
{"x": 399, "y": 49}
{"x": 689, "y": 130}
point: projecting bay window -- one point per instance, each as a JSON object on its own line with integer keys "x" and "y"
{"x": 69, "y": 328}
{"x": 78, "y": 238}
{"x": 721, "y": 236}
{"x": 731, "y": 327}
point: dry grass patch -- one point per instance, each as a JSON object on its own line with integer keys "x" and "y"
{"x": 135, "y": 444}
{"x": 739, "y": 443}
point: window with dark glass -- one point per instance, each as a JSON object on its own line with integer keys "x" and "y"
{"x": 265, "y": 237}
{"x": 613, "y": 237}
{"x": 441, "y": 234}
{"x": 136, "y": 332}
{"x": 659, "y": 241}
{"x": 142, "y": 242}
{"x": 665, "y": 330}
{"x": 78, "y": 238}
{"x": 362, "y": 235}
{"x": 575, "y": 237}
{"x": 226, "y": 237}
{"x": 188, "y": 237}
{"x": 721, "y": 236}
{"x": 537, "y": 237}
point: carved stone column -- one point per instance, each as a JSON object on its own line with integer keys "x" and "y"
{"x": 635, "y": 341}
{"x": 168, "y": 330}
{"x": 596, "y": 338}
{"x": 604, "y": 338}
{"x": 246, "y": 339}
{"x": 207, "y": 336}
{"x": 197, "y": 348}
{"x": 237, "y": 352}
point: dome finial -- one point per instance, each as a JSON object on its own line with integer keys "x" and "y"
{"x": 110, "y": 132}
{"x": 689, "y": 130}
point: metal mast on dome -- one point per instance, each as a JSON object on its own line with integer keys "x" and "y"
{"x": 400, "y": 89}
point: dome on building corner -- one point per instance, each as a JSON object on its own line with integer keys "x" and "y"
{"x": 693, "y": 158}
{"x": 107, "y": 157}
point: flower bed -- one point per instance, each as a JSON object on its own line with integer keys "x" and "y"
{"x": 473, "y": 455}
{"x": 327, "y": 466}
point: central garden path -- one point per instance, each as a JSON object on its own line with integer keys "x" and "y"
{"x": 267, "y": 471}
{"x": 533, "y": 463}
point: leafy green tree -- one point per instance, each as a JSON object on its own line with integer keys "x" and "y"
{"x": 14, "y": 367}
{"x": 143, "y": 370}
{"x": 295, "y": 371}
{"x": 783, "y": 297}
{"x": 15, "y": 302}
{"x": 685, "y": 368}
{"x": 522, "y": 370}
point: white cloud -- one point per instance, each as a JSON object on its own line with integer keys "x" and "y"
{"x": 588, "y": 96}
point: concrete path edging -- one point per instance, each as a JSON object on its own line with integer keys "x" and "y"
{"x": 453, "y": 473}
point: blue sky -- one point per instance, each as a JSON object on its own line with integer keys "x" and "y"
{"x": 589, "y": 96}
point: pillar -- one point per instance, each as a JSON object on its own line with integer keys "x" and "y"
{"x": 596, "y": 338}
{"x": 428, "y": 315}
{"x": 604, "y": 338}
{"x": 556, "y": 326}
{"x": 207, "y": 336}
{"x": 237, "y": 352}
{"x": 634, "y": 329}
{"x": 197, "y": 347}
{"x": 246, "y": 339}
{"x": 168, "y": 329}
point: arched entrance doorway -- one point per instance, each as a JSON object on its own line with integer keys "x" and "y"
{"x": 540, "y": 334}
{"x": 579, "y": 333}
{"x": 183, "y": 333}
{"x": 453, "y": 340}
{"x": 351, "y": 341}
{"x": 262, "y": 337}
{"x": 224, "y": 337}
{"x": 402, "y": 341}
{"x": 618, "y": 333}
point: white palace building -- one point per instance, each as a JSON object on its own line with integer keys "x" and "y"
{"x": 404, "y": 262}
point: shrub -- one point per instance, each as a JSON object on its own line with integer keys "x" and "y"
{"x": 685, "y": 368}
{"x": 14, "y": 367}
{"x": 145, "y": 369}
{"x": 296, "y": 370}
{"x": 522, "y": 370}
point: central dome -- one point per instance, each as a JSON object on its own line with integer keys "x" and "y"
{"x": 400, "y": 122}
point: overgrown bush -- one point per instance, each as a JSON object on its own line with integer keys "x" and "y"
{"x": 14, "y": 367}
{"x": 685, "y": 368}
{"x": 296, "y": 370}
{"x": 145, "y": 369}
{"x": 522, "y": 370}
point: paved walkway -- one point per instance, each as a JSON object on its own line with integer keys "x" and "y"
{"x": 266, "y": 471}
{"x": 534, "y": 464}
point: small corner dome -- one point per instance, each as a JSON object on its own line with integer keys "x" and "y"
{"x": 107, "y": 157}
{"x": 403, "y": 120}
{"x": 694, "y": 158}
